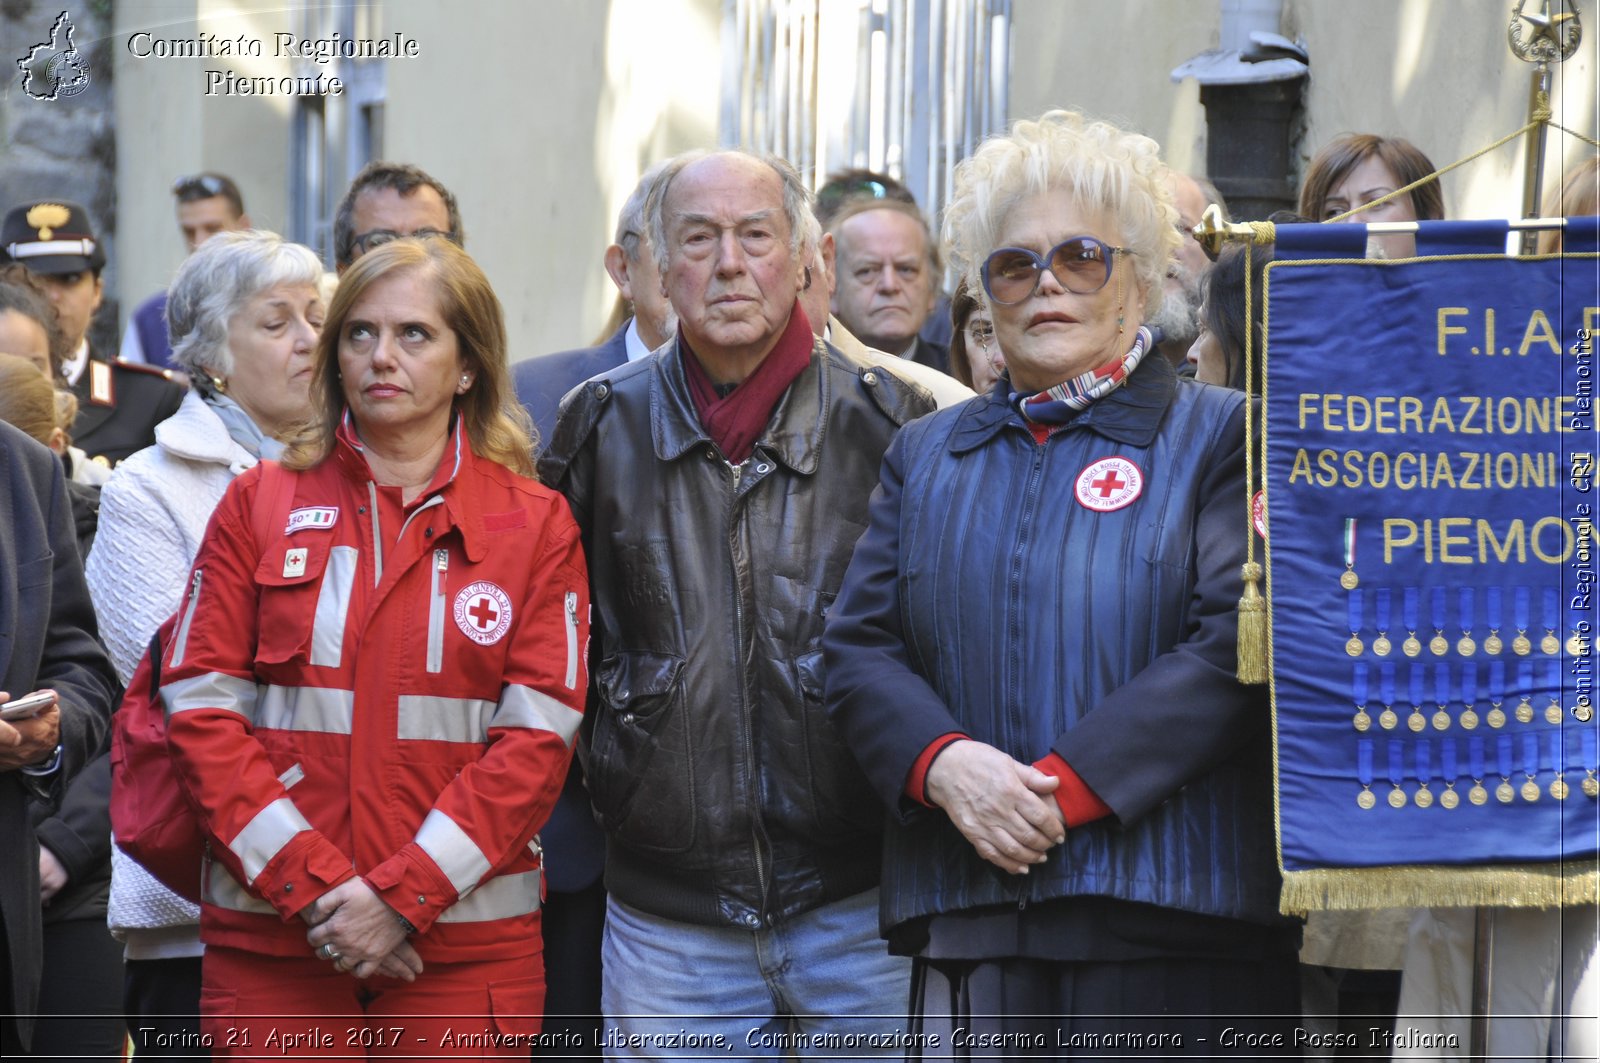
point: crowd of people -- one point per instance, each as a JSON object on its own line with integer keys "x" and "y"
{"x": 899, "y": 724}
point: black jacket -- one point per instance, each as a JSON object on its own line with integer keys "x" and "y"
{"x": 47, "y": 639}
{"x": 119, "y": 405}
{"x": 727, "y": 797}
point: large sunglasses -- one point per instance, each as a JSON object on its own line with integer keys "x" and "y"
{"x": 378, "y": 237}
{"x": 1081, "y": 265}
{"x": 200, "y": 186}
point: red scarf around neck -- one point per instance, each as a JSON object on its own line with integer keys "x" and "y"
{"x": 737, "y": 421}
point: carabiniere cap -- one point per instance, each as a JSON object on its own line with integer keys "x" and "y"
{"x": 50, "y": 236}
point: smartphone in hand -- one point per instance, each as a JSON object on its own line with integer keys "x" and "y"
{"x": 29, "y": 707}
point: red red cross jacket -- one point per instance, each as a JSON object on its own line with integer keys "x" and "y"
{"x": 384, "y": 690}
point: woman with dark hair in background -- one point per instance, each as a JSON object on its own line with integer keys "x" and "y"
{"x": 1356, "y": 168}
{"x": 975, "y": 357}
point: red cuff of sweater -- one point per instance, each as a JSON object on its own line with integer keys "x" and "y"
{"x": 1078, "y": 803}
{"x": 917, "y": 780}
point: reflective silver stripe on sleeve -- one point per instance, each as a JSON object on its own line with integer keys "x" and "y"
{"x": 320, "y": 709}
{"x": 457, "y": 855}
{"x": 333, "y": 605}
{"x": 426, "y": 718}
{"x": 265, "y": 836}
{"x": 180, "y": 640}
{"x": 522, "y": 706}
{"x": 213, "y": 690}
{"x": 502, "y": 897}
{"x": 220, "y": 888}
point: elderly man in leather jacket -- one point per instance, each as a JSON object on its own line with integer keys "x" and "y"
{"x": 721, "y": 485}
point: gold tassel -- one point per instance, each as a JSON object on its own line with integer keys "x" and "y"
{"x": 1252, "y": 628}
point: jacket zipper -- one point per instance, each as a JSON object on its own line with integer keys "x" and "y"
{"x": 1013, "y": 618}
{"x": 572, "y": 640}
{"x": 745, "y": 729}
{"x": 377, "y": 537}
{"x": 180, "y": 643}
{"x": 441, "y": 564}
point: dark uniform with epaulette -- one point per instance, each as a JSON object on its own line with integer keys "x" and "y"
{"x": 119, "y": 403}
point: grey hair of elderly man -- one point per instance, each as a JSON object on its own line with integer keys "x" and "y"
{"x": 797, "y": 198}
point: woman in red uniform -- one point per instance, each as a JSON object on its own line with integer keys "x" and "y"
{"x": 373, "y": 689}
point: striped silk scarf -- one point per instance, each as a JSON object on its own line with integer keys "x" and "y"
{"x": 1061, "y": 403}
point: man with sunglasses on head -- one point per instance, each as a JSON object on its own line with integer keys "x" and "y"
{"x": 119, "y": 403}
{"x": 389, "y": 201}
{"x": 207, "y": 204}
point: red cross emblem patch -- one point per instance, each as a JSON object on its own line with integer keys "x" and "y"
{"x": 483, "y": 612}
{"x": 1109, "y": 484}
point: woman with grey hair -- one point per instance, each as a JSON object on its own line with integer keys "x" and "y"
{"x": 1033, "y": 653}
{"x": 244, "y": 313}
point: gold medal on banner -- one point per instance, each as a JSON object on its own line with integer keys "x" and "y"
{"x": 1381, "y": 646}
{"x": 1530, "y": 790}
{"x": 1577, "y": 647}
{"x": 1590, "y": 785}
{"x": 1466, "y": 647}
{"x": 1504, "y": 793}
{"x": 1416, "y": 721}
{"x": 1496, "y": 718}
{"x": 1387, "y": 719}
{"x": 1424, "y": 797}
{"x": 1478, "y": 795}
{"x": 1559, "y": 789}
{"x": 1349, "y": 580}
{"x": 1449, "y": 799}
{"x": 1366, "y": 798}
{"x": 1521, "y": 646}
{"x": 1469, "y": 720}
{"x": 1583, "y": 712}
{"x": 1524, "y": 711}
{"x": 1397, "y": 798}
{"x": 1493, "y": 645}
{"x": 1353, "y": 647}
{"x": 1362, "y": 721}
{"x": 1552, "y": 714}
{"x": 1411, "y": 647}
{"x": 1441, "y": 721}
{"x": 1550, "y": 645}
{"x": 1439, "y": 645}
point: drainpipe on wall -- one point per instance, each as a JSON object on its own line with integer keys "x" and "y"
{"x": 1250, "y": 87}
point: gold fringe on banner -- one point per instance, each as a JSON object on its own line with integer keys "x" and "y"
{"x": 1423, "y": 886}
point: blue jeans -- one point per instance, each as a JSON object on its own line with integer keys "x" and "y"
{"x": 821, "y": 984}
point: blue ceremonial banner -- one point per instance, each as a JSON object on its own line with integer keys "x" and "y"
{"x": 1429, "y": 480}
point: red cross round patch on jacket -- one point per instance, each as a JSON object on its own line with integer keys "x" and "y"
{"x": 483, "y": 612}
{"x": 1109, "y": 484}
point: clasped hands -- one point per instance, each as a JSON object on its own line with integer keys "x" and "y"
{"x": 1003, "y": 807}
{"x": 354, "y": 928}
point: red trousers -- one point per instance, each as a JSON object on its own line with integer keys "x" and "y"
{"x": 273, "y": 1007}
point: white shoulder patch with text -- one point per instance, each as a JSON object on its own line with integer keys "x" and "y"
{"x": 311, "y": 517}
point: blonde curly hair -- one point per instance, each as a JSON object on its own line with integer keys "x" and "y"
{"x": 1107, "y": 170}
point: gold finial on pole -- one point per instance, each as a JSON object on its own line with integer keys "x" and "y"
{"x": 1541, "y": 37}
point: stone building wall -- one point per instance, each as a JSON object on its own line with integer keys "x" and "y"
{"x": 65, "y": 147}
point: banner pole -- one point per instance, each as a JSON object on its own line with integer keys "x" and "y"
{"x": 1533, "y": 165}
{"x": 1482, "y": 965}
